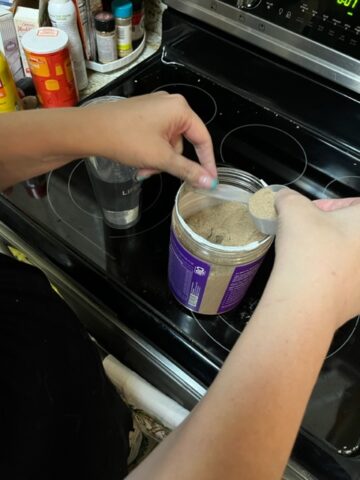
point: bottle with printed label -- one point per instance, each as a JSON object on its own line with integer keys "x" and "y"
{"x": 207, "y": 275}
{"x": 122, "y": 11}
{"x": 9, "y": 99}
{"x": 62, "y": 14}
{"x": 48, "y": 56}
{"x": 105, "y": 37}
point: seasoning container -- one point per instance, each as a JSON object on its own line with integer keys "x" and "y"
{"x": 206, "y": 277}
{"x": 47, "y": 52}
{"x": 9, "y": 99}
{"x": 122, "y": 11}
{"x": 137, "y": 22}
{"x": 105, "y": 37}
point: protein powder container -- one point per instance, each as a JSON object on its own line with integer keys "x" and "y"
{"x": 210, "y": 278}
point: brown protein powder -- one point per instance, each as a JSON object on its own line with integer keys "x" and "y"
{"x": 227, "y": 223}
{"x": 215, "y": 247}
{"x": 262, "y": 204}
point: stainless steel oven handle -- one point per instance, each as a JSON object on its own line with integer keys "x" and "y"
{"x": 4, "y": 249}
{"x": 295, "y": 472}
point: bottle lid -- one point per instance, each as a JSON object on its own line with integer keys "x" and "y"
{"x": 59, "y": 1}
{"x": 44, "y": 40}
{"x": 122, "y": 9}
{"x": 104, "y": 22}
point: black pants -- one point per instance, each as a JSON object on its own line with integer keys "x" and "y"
{"x": 60, "y": 417}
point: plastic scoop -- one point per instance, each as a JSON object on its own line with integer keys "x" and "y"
{"x": 226, "y": 192}
{"x": 229, "y": 193}
{"x": 265, "y": 219}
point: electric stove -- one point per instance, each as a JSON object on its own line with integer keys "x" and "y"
{"x": 266, "y": 116}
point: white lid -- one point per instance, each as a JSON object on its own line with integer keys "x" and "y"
{"x": 44, "y": 40}
{"x": 59, "y": 1}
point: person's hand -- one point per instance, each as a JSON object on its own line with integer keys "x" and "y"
{"x": 318, "y": 246}
{"x": 147, "y": 132}
{"x": 144, "y": 132}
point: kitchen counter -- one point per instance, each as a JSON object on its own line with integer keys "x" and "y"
{"x": 153, "y": 15}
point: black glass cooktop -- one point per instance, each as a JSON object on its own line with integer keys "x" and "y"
{"x": 133, "y": 262}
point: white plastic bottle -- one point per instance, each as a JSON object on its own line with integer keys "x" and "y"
{"x": 62, "y": 14}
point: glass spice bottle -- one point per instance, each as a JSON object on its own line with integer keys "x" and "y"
{"x": 105, "y": 37}
{"x": 123, "y": 10}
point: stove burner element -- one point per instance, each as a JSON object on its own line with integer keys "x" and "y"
{"x": 79, "y": 202}
{"x": 345, "y": 186}
{"x": 76, "y": 206}
{"x": 225, "y": 329}
{"x": 343, "y": 336}
{"x": 267, "y": 152}
{"x": 199, "y": 99}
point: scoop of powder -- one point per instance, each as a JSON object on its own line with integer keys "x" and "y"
{"x": 227, "y": 223}
{"x": 262, "y": 204}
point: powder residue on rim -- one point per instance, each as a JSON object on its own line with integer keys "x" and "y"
{"x": 262, "y": 204}
{"x": 227, "y": 224}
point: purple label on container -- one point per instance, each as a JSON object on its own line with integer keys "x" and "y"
{"x": 187, "y": 275}
{"x": 238, "y": 285}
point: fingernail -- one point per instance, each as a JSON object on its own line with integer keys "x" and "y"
{"x": 214, "y": 183}
{"x": 208, "y": 182}
{"x": 141, "y": 178}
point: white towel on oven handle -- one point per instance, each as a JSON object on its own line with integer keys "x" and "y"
{"x": 141, "y": 394}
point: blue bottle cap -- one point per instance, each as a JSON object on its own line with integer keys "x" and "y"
{"x": 122, "y": 9}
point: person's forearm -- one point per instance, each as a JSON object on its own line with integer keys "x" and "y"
{"x": 246, "y": 425}
{"x": 34, "y": 142}
{"x": 143, "y": 132}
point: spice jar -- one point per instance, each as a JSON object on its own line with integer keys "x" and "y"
{"x": 105, "y": 37}
{"x": 122, "y": 11}
{"x": 207, "y": 277}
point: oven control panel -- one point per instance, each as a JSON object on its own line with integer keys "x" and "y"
{"x": 322, "y": 36}
{"x": 334, "y": 23}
